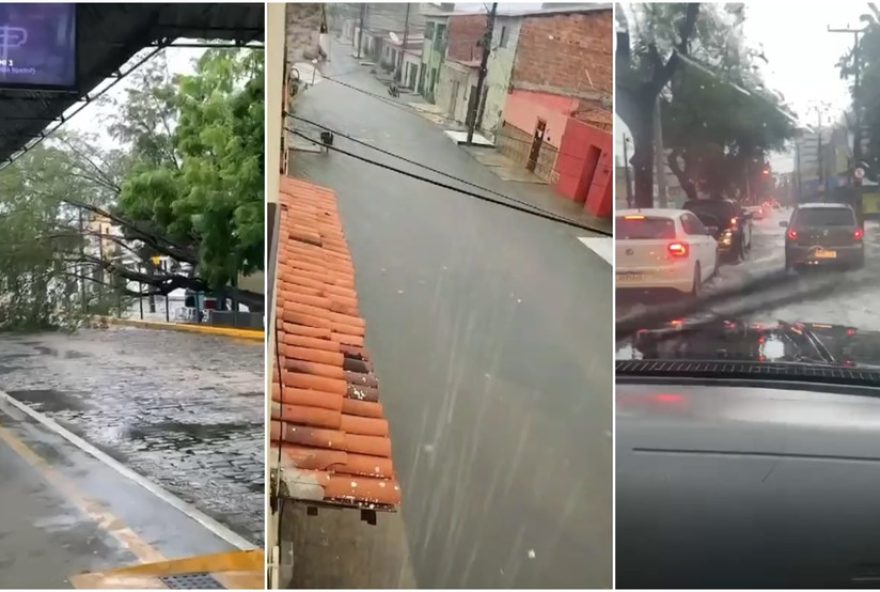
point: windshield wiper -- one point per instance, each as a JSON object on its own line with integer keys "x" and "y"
{"x": 810, "y": 337}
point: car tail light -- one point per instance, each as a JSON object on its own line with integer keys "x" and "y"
{"x": 733, "y": 222}
{"x": 851, "y": 332}
{"x": 792, "y": 234}
{"x": 858, "y": 234}
{"x": 678, "y": 249}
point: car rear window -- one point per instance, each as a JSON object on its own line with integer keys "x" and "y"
{"x": 647, "y": 227}
{"x": 712, "y": 212}
{"x": 825, "y": 217}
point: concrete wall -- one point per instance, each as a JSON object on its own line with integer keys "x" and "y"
{"x": 303, "y": 31}
{"x": 583, "y": 169}
{"x": 523, "y": 109}
{"x": 455, "y": 106}
{"x": 411, "y": 62}
{"x": 498, "y": 73}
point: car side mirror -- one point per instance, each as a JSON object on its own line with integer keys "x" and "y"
{"x": 783, "y": 223}
{"x": 711, "y": 230}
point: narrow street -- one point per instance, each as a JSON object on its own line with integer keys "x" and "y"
{"x": 489, "y": 330}
{"x": 65, "y": 512}
{"x": 759, "y": 289}
{"x": 183, "y": 410}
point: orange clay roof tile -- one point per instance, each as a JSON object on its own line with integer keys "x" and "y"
{"x": 327, "y": 423}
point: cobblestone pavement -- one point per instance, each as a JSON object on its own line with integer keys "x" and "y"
{"x": 184, "y": 410}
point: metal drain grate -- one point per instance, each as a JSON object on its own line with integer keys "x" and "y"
{"x": 193, "y": 581}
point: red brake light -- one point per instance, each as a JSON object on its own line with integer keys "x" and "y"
{"x": 792, "y": 234}
{"x": 678, "y": 249}
{"x": 733, "y": 221}
{"x": 858, "y": 234}
{"x": 851, "y": 332}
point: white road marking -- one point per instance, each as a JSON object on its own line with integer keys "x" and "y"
{"x": 604, "y": 247}
{"x": 189, "y": 510}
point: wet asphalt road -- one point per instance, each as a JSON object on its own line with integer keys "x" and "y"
{"x": 759, "y": 289}
{"x": 491, "y": 334}
{"x": 184, "y": 410}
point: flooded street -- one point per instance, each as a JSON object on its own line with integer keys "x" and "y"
{"x": 185, "y": 411}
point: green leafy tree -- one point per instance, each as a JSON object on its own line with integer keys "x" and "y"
{"x": 718, "y": 133}
{"x": 865, "y": 59}
{"x": 649, "y": 51}
{"x": 198, "y": 175}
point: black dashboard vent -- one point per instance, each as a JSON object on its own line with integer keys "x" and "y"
{"x": 749, "y": 370}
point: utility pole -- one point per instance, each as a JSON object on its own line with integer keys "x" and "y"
{"x": 659, "y": 165}
{"x": 403, "y": 49}
{"x": 82, "y": 257}
{"x": 487, "y": 47}
{"x": 819, "y": 154}
{"x": 857, "y": 66}
{"x": 361, "y": 29}
{"x": 629, "y": 195}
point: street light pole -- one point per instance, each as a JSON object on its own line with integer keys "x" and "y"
{"x": 487, "y": 47}
{"x": 361, "y": 29}
{"x": 857, "y": 66}
{"x": 629, "y": 196}
{"x": 403, "y": 49}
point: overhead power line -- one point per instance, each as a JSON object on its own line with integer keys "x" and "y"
{"x": 528, "y": 210}
{"x": 415, "y": 111}
{"x": 426, "y": 167}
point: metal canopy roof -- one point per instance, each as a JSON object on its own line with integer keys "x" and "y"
{"x": 108, "y": 36}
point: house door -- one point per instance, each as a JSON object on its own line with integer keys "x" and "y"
{"x": 412, "y": 76}
{"x": 537, "y": 141}
{"x": 471, "y": 108}
{"x": 453, "y": 99}
{"x": 422, "y": 79}
{"x": 589, "y": 171}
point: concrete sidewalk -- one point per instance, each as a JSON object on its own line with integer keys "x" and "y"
{"x": 66, "y": 512}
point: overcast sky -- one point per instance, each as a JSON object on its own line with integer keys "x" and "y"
{"x": 180, "y": 61}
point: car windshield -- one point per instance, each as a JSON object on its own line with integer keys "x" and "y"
{"x": 824, "y": 217}
{"x": 717, "y": 116}
{"x": 642, "y": 227}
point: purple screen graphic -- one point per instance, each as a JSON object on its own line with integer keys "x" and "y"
{"x": 38, "y": 45}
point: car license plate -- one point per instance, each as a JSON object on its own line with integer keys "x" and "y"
{"x": 630, "y": 275}
{"x": 824, "y": 254}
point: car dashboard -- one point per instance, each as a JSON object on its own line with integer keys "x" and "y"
{"x": 738, "y": 486}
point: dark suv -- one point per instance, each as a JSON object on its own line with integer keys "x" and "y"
{"x": 824, "y": 234}
{"x": 732, "y": 225}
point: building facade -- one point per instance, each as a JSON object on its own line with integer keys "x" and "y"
{"x": 556, "y": 119}
{"x": 433, "y": 54}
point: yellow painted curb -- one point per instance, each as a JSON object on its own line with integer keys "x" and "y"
{"x": 235, "y": 570}
{"x": 249, "y": 334}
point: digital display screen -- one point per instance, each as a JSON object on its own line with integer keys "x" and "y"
{"x": 37, "y": 45}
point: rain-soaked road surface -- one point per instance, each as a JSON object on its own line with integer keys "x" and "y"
{"x": 184, "y": 410}
{"x": 759, "y": 288}
{"x": 62, "y": 512}
{"x": 491, "y": 334}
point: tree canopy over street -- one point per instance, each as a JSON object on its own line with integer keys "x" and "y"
{"x": 183, "y": 178}
{"x": 865, "y": 58}
{"x": 718, "y": 120}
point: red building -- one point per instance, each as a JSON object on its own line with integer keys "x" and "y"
{"x": 557, "y": 116}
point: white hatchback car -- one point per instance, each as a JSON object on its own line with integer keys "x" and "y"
{"x": 663, "y": 249}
